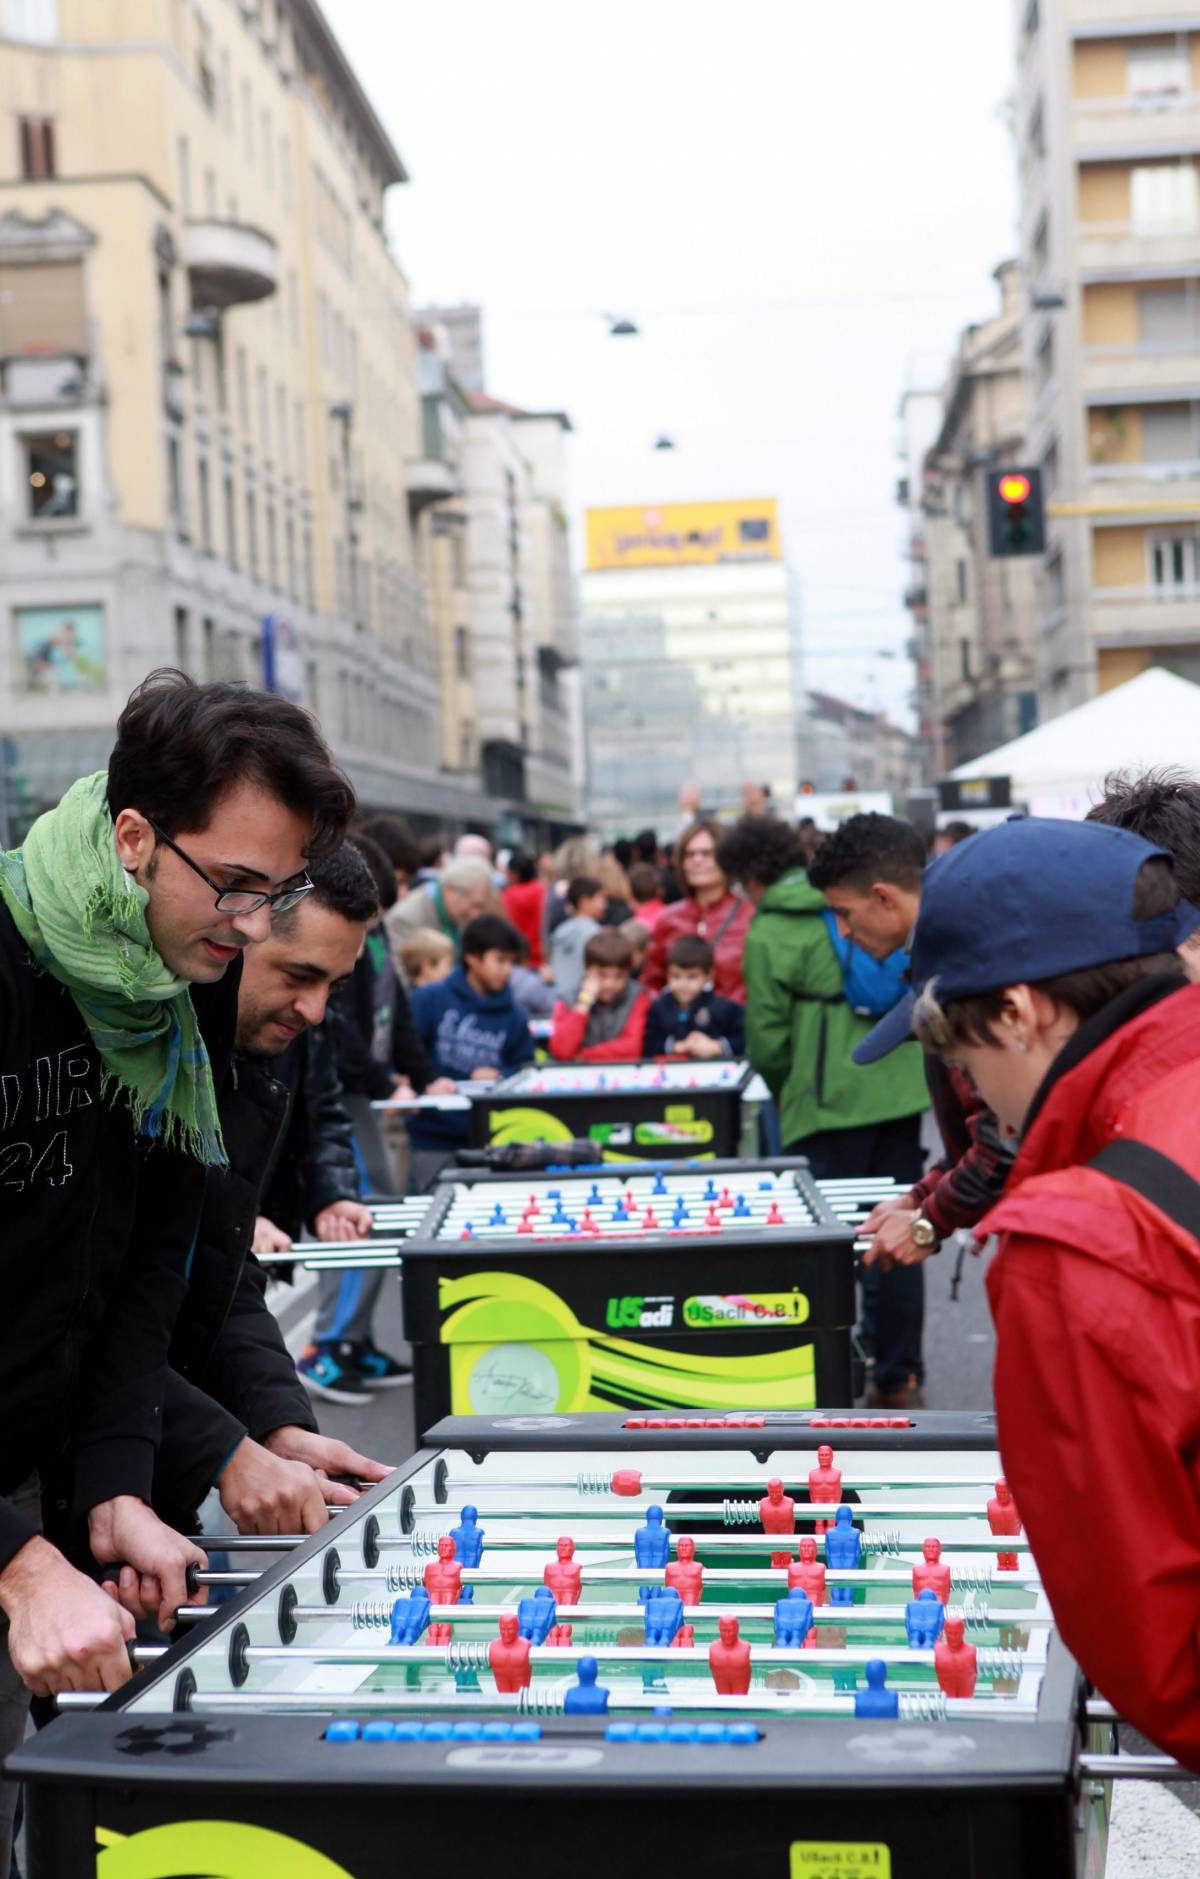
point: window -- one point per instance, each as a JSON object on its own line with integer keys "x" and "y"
{"x": 1043, "y": 363}
{"x": 226, "y": 92}
{"x": 1175, "y": 564}
{"x": 230, "y": 521}
{"x": 35, "y": 21}
{"x": 243, "y": 389}
{"x": 208, "y": 650}
{"x": 210, "y": 193}
{"x": 1168, "y": 434}
{"x": 1158, "y": 68}
{"x": 204, "y": 504}
{"x": 281, "y": 427}
{"x": 962, "y": 583}
{"x": 301, "y": 441}
{"x": 175, "y": 483}
{"x": 247, "y": 121}
{"x": 264, "y": 411}
{"x": 310, "y": 583}
{"x": 251, "y": 534}
{"x": 1167, "y": 315}
{"x": 185, "y": 178}
{"x": 293, "y": 300}
{"x": 272, "y": 546}
{"x": 51, "y": 474}
{"x": 289, "y": 547}
{"x": 285, "y": 172}
{"x": 462, "y": 652}
{"x": 181, "y": 638}
{"x": 1164, "y": 197}
{"x": 37, "y": 148}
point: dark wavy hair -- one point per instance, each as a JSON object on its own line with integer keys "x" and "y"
{"x": 759, "y": 848}
{"x": 869, "y": 848}
{"x": 1163, "y": 807}
{"x": 181, "y": 746}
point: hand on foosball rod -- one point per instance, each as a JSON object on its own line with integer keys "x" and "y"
{"x": 268, "y": 1238}
{"x": 343, "y": 1220}
{"x": 153, "y": 1576}
{"x": 891, "y": 1240}
{"x": 264, "y": 1492}
{"x": 65, "y": 1633}
{"x": 328, "y": 1457}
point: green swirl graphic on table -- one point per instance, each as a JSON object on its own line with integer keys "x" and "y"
{"x": 216, "y": 1849}
{"x": 516, "y": 1347}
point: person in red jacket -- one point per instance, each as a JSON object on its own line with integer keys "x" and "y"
{"x": 607, "y": 1022}
{"x": 525, "y": 903}
{"x": 711, "y": 907}
{"x": 1044, "y": 963}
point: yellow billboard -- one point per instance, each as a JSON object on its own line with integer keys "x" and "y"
{"x": 683, "y": 534}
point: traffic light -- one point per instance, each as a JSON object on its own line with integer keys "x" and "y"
{"x": 1016, "y": 517}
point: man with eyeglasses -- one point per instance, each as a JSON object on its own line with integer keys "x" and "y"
{"x": 117, "y": 1017}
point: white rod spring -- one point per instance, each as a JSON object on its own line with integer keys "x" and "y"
{"x": 739, "y": 1513}
{"x": 540, "y": 1699}
{"x": 424, "y": 1543}
{"x": 467, "y": 1654}
{"x": 996, "y": 1662}
{"x": 972, "y": 1577}
{"x": 923, "y": 1706}
{"x": 594, "y": 1483}
{"x": 888, "y": 1540}
{"x": 403, "y": 1577}
{"x": 367, "y": 1614}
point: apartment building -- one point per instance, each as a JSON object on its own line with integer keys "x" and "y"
{"x": 493, "y": 544}
{"x": 210, "y": 421}
{"x": 1108, "y": 124}
{"x": 978, "y": 610}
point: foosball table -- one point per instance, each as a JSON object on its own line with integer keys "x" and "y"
{"x": 644, "y": 1111}
{"x": 790, "y": 1643}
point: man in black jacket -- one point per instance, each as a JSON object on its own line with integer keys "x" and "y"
{"x": 237, "y": 1415}
{"x": 144, "y": 882}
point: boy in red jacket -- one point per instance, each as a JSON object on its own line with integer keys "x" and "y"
{"x": 1044, "y": 964}
{"x": 607, "y": 1022}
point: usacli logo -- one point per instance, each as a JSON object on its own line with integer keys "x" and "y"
{"x": 724, "y": 1311}
{"x": 639, "y": 1314}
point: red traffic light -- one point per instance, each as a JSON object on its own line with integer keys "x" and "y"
{"x": 1014, "y": 488}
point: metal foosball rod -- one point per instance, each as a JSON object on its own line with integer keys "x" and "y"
{"x": 369, "y": 1614}
{"x": 1133, "y": 1768}
{"x": 398, "y": 1578}
{"x": 636, "y": 1488}
{"x": 889, "y": 1541}
{"x": 732, "y": 1513}
{"x": 374, "y": 1251}
{"x": 547, "y": 1700}
{"x": 472, "y": 1654}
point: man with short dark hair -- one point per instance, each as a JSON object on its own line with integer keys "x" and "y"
{"x": 144, "y": 883}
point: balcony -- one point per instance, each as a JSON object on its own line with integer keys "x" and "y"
{"x": 427, "y": 480}
{"x": 1109, "y": 250}
{"x": 1137, "y": 125}
{"x": 1145, "y": 616}
{"x": 1166, "y": 370}
{"x": 229, "y": 264}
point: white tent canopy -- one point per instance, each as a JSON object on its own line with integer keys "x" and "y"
{"x": 1152, "y": 721}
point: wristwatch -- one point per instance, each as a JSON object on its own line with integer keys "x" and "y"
{"x": 922, "y": 1233}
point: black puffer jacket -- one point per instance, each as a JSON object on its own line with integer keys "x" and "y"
{"x": 288, "y": 1138}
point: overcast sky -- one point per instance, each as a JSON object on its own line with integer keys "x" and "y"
{"x": 800, "y": 204}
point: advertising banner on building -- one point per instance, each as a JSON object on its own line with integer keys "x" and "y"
{"x": 683, "y": 534}
{"x": 61, "y": 649}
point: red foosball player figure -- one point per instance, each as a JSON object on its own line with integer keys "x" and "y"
{"x": 931, "y": 1572}
{"x": 777, "y": 1511}
{"x": 509, "y": 1655}
{"x": 439, "y": 1634}
{"x": 559, "y": 1634}
{"x": 443, "y": 1576}
{"x": 729, "y": 1660}
{"x": 562, "y": 1575}
{"x": 954, "y": 1660}
{"x": 824, "y": 1482}
{"x": 684, "y": 1638}
{"x": 685, "y": 1572}
{"x": 1003, "y": 1518}
{"x": 808, "y": 1572}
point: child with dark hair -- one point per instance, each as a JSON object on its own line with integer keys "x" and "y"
{"x": 688, "y": 1019}
{"x": 525, "y": 902}
{"x": 471, "y": 1030}
{"x": 587, "y": 904}
{"x": 607, "y": 1021}
{"x": 1045, "y": 964}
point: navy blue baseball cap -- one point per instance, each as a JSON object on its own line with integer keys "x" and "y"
{"x": 1028, "y": 900}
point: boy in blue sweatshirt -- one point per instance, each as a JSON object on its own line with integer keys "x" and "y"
{"x": 471, "y": 1029}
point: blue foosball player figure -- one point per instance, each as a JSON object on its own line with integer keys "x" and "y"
{"x": 923, "y": 1620}
{"x": 537, "y": 1616}
{"x": 843, "y": 1550}
{"x": 664, "y": 1615}
{"x": 409, "y": 1617}
{"x": 587, "y": 1697}
{"x": 793, "y": 1618}
{"x": 652, "y": 1543}
{"x": 468, "y": 1538}
{"x": 876, "y": 1700}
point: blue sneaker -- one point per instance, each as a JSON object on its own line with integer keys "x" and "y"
{"x": 378, "y": 1370}
{"x": 323, "y": 1374}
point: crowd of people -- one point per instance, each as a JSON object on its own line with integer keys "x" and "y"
{"x": 213, "y": 973}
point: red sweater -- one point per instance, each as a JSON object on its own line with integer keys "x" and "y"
{"x": 685, "y": 916}
{"x": 1096, "y": 1298}
{"x": 525, "y": 906}
{"x": 569, "y": 1027}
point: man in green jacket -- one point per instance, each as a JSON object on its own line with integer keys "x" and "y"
{"x": 800, "y": 1033}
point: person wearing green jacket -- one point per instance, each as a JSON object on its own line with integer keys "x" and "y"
{"x": 801, "y": 1032}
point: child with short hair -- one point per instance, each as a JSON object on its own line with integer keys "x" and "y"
{"x": 472, "y": 1030}
{"x": 586, "y": 901}
{"x": 638, "y": 935}
{"x": 426, "y": 956}
{"x": 688, "y": 1019}
{"x": 608, "y": 1018}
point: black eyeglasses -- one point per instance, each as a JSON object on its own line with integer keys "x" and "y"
{"x": 238, "y": 899}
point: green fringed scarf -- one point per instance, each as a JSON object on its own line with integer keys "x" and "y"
{"x": 83, "y": 919}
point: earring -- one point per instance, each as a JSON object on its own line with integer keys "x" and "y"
{"x": 1022, "y": 1044}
